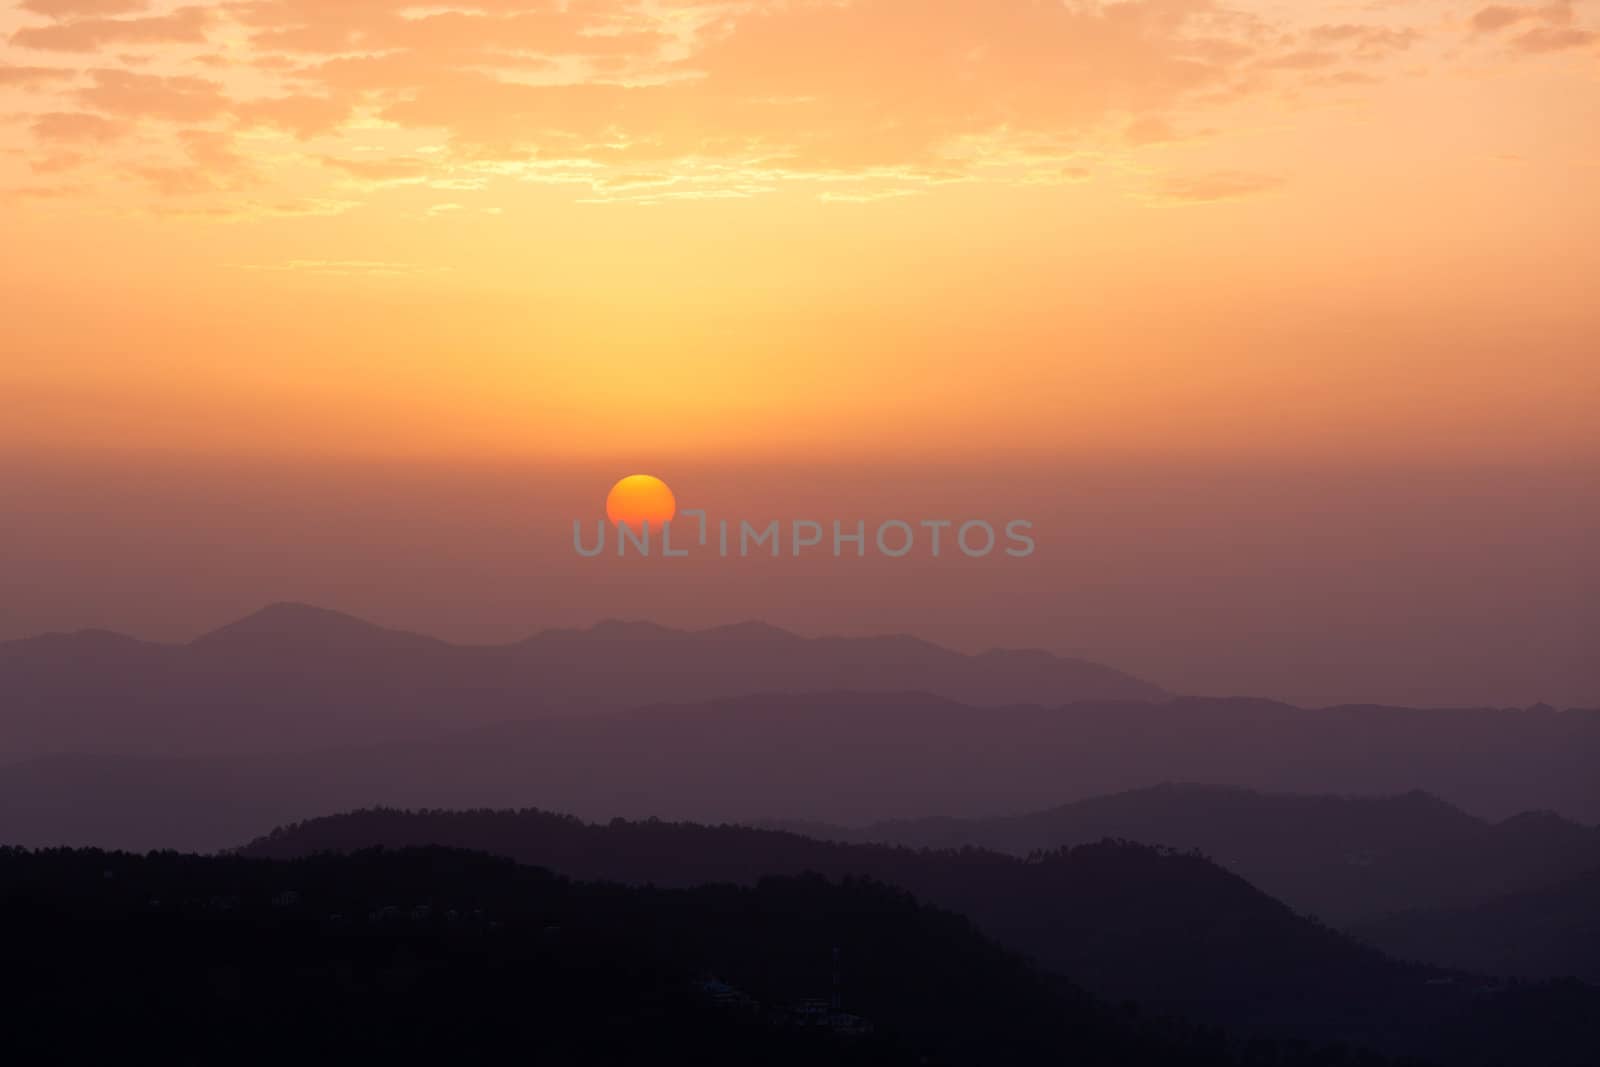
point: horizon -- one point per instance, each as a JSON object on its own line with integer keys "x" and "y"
{"x": 1347, "y": 584}
{"x": 308, "y": 612}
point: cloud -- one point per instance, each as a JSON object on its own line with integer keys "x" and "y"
{"x": 211, "y": 164}
{"x": 814, "y": 84}
{"x": 1554, "y": 39}
{"x": 1366, "y": 40}
{"x": 76, "y": 127}
{"x": 380, "y": 171}
{"x": 730, "y": 96}
{"x": 58, "y": 8}
{"x": 1219, "y": 185}
{"x": 19, "y": 77}
{"x": 180, "y": 99}
{"x": 1499, "y": 16}
{"x": 1554, "y": 28}
{"x": 1304, "y": 59}
{"x": 213, "y": 150}
{"x": 58, "y": 162}
{"x": 187, "y": 25}
{"x": 586, "y": 27}
{"x": 44, "y": 192}
{"x": 303, "y": 115}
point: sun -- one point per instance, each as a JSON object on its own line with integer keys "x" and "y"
{"x": 640, "y": 499}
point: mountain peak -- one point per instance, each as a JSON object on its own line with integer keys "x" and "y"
{"x": 632, "y": 630}
{"x": 296, "y": 624}
{"x": 93, "y": 642}
{"x": 749, "y": 630}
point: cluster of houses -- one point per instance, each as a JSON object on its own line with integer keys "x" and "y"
{"x": 812, "y": 1013}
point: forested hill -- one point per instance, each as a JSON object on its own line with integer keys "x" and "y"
{"x": 1173, "y": 932}
{"x": 436, "y": 956}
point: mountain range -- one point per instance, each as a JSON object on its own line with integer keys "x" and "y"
{"x": 436, "y": 956}
{"x": 1345, "y": 859}
{"x": 634, "y": 719}
{"x": 837, "y": 757}
{"x": 1312, "y": 880}
{"x": 293, "y": 677}
{"x": 1173, "y": 932}
{"x": 1552, "y": 929}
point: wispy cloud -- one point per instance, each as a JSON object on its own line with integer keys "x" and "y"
{"x": 185, "y": 26}
{"x": 1220, "y": 185}
{"x": 724, "y": 96}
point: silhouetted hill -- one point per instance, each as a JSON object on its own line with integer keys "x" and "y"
{"x": 1549, "y": 932}
{"x": 304, "y": 630}
{"x": 440, "y": 956}
{"x": 834, "y": 757}
{"x": 448, "y": 957}
{"x": 297, "y": 677}
{"x": 1173, "y": 932}
{"x": 1343, "y": 858}
{"x": 287, "y": 677}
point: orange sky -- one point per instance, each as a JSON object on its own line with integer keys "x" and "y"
{"x": 1278, "y": 316}
{"x": 517, "y": 228}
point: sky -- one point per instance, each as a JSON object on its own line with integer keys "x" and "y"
{"x": 1277, "y": 318}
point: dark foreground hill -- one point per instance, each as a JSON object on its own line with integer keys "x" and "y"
{"x": 1343, "y": 858}
{"x": 1175, "y": 933}
{"x": 836, "y": 757}
{"x": 296, "y": 677}
{"x": 442, "y": 957}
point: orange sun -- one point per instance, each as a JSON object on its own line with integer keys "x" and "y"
{"x": 640, "y": 499}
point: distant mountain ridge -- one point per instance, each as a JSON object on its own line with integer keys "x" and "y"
{"x": 303, "y": 626}
{"x": 293, "y": 677}
{"x": 837, "y": 757}
{"x": 1546, "y": 932}
{"x": 1343, "y": 858}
